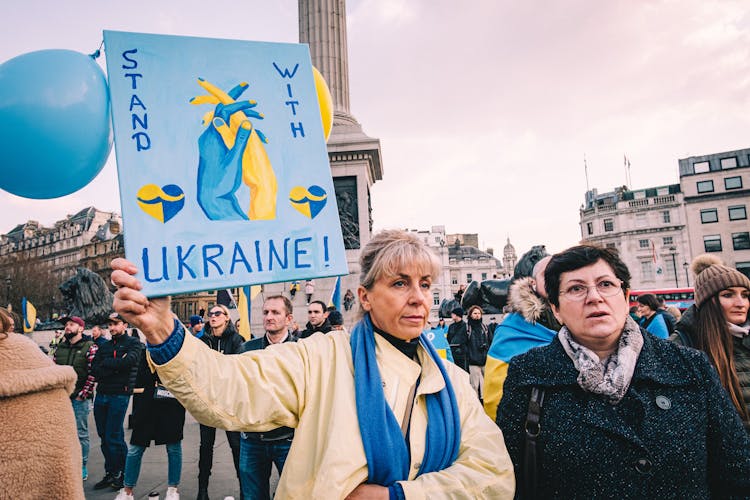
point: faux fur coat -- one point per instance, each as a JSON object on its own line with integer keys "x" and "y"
{"x": 40, "y": 456}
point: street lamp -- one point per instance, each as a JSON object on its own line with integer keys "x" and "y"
{"x": 685, "y": 266}
{"x": 672, "y": 252}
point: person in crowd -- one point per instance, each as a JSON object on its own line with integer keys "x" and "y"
{"x": 441, "y": 326}
{"x": 348, "y": 299}
{"x": 634, "y": 314}
{"x": 39, "y": 452}
{"x": 309, "y": 291}
{"x": 259, "y": 450}
{"x": 316, "y": 319}
{"x": 336, "y": 319}
{"x": 476, "y": 349}
{"x": 196, "y": 326}
{"x": 458, "y": 338}
{"x": 670, "y": 320}
{"x": 293, "y": 289}
{"x": 294, "y": 329}
{"x": 528, "y": 323}
{"x": 55, "y": 341}
{"x": 491, "y": 327}
{"x": 98, "y": 336}
{"x": 115, "y": 367}
{"x": 376, "y": 412}
{"x": 220, "y": 336}
{"x": 718, "y": 325}
{"x": 651, "y": 320}
{"x": 606, "y": 407}
{"x": 675, "y": 313}
{"x": 157, "y": 416}
{"x": 79, "y": 352}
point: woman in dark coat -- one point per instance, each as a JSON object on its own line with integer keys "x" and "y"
{"x": 623, "y": 414}
{"x": 157, "y": 416}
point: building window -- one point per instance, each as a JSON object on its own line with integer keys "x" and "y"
{"x": 589, "y": 228}
{"x": 667, "y": 240}
{"x": 484, "y": 276}
{"x": 741, "y": 241}
{"x": 732, "y": 183}
{"x": 435, "y": 298}
{"x": 468, "y": 277}
{"x": 744, "y": 268}
{"x": 705, "y": 186}
{"x": 701, "y": 167}
{"x": 709, "y": 215}
{"x": 454, "y": 279}
{"x": 610, "y": 245}
{"x": 712, "y": 243}
{"x": 666, "y": 217}
{"x": 641, "y": 220}
{"x": 609, "y": 225}
{"x": 643, "y": 244}
{"x": 737, "y": 213}
{"x": 728, "y": 163}
{"x": 647, "y": 270}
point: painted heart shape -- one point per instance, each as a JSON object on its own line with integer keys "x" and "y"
{"x": 308, "y": 201}
{"x": 161, "y": 203}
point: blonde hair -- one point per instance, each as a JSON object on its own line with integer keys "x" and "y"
{"x": 6, "y": 322}
{"x": 392, "y": 250}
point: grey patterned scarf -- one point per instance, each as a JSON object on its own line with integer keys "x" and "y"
{"x": 610, "y": 377}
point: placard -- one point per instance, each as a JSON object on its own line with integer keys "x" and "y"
{"x": 223, "y": 169}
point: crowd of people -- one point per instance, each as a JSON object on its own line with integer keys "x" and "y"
{"x": 569, "y": 394}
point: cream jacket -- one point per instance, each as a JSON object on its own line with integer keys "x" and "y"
{"x": 309, "y": 385}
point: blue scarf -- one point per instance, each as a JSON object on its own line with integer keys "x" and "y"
{"x": 385, "y": 447}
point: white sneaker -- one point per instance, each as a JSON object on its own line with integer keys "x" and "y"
{"x": 123, "y": 496}
{"x": 172, "y": 494}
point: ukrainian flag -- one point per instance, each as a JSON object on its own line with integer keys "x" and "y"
{"x": 336, "y": 295}
{"x": 29, "y": 316}
{"x": 513, "y": 336}
{"x": 247, "y": 294}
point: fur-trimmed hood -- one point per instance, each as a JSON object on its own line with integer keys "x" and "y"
{"x": 25, "y": 369}
{"x": 523, "y": 300}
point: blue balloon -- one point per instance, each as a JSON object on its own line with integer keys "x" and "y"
{"x": 55, "y": 128}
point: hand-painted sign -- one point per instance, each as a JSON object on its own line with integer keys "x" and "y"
{"x": 223, "y": 170}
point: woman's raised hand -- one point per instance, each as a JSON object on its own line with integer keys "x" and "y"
{"x": 152, "y": 316}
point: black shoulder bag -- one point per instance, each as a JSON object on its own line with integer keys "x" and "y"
{"x": 532, "y": 428}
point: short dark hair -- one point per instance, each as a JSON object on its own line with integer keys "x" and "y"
{"x": 581, "y": 256}
{"x": 322, "y": 304}
{"x": 650, "y": 300}
{"x": 287, "y": 303}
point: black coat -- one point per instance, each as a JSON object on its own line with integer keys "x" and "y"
{"x": 458, "y": 339}
{"x": 159, "y": 420}
{"x": 116, "y": 364}
{"x": 230, "y": 342}
{"x": 675, "y": 434}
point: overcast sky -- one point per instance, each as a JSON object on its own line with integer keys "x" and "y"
{"x": 484, "y": 110}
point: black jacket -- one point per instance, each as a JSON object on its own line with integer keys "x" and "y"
{"x": 458, "y": 340}
{"x": 116, "y": 365}
{"x": 325, "y": 327}
{"x": 478, "y": 343}
{"x": 159, "y": 420}
{"x": 675, "y": 434}
{"x": 280, "y": 432}
{"x": 230, "y": 342}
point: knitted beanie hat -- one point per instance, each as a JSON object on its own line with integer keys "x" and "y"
{"x": 712, "y": 276}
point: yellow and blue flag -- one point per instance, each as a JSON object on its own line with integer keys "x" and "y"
{"x": 512, "y": 337}
{"x": 336, "y": 295}
{"x": 29, "y": 316}
{"x": 245, "y": 307}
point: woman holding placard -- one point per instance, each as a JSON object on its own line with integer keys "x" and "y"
{"x": 377, "y": 413}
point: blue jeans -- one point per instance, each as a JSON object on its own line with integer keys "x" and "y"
{"x": 109, "y": 415}
{"x": 255, "y": 465}
{"x": 133, "y": 464}
{"x": 81, "y": 410}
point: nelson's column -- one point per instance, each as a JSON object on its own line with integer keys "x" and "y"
{"x": 354, "y": 157}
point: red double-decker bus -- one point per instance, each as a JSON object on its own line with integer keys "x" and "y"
{"x": 681, "y": 298}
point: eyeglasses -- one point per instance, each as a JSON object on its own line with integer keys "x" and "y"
{"x": 215, "y": 313}
{"x": 604, "y": 288}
